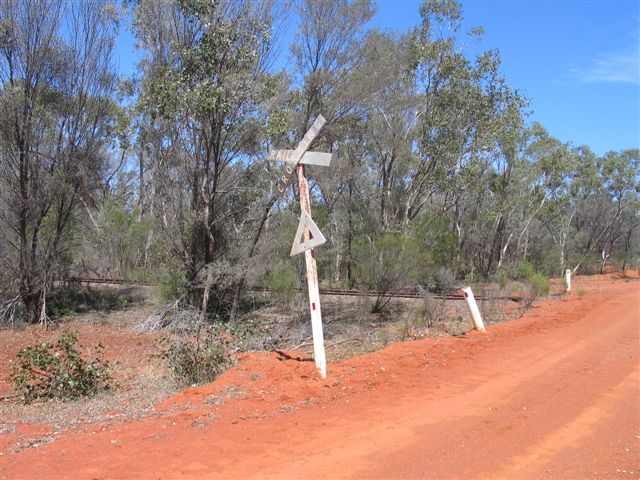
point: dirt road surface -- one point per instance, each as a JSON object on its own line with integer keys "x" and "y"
{"x": 555, "y": 394}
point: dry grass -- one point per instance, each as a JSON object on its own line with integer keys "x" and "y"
{"x": 143, "y": 380}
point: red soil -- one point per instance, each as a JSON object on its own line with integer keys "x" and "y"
{"x": 555, "y": 394}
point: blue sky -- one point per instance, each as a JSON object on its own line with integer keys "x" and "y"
{"x": 577, "y": 61}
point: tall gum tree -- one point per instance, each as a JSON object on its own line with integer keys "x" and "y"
{"x": 205, "y": 75}
{"x": 57, "y": 122}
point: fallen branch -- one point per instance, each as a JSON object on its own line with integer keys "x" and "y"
{"x": 307, "y": 342}
{"x": 8, "y": 310}
{"x": 8, "y": 397}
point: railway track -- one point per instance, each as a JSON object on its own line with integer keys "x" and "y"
{"x": 455, "y": 294}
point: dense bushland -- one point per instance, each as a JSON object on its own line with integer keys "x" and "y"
{"x": 437, "y": 174}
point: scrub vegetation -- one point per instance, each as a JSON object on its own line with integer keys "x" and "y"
{"x": 438, "y": 176}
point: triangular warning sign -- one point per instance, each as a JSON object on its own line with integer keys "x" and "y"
{"x": 315, "y": 236}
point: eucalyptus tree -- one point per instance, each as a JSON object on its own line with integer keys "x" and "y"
{"x": 57, "y": 122}
{"x": 203, "y": 92}
{"x": 328, "y": 78}
{"x": 450, "y": 110}
{"x": 533, "y": 178}
{"x": 442, "y": 121}
{"x": 327, "y": 52}
{"x": 611, "y": 213}
{"x": 390, "y": 126}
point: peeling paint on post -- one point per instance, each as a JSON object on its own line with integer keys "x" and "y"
{"x": 294, "y": 157}
{"x": 295, "y": 161}
{"x": 312, "y": 281}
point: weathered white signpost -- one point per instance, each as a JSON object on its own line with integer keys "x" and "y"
{"x": 308, "y": 235}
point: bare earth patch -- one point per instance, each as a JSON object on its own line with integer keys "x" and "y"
{"x": 552, "y": 395}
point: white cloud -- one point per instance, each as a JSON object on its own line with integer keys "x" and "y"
{"x": 613, "y": 67}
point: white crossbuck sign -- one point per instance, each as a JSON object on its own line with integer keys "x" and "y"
{"x": 300, "y": 156}
{"x": 308, "y": 235}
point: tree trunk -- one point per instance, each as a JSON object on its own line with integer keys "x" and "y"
{"x": 627, "y": 245}
{"x": 350, "y": 237}
{"x": 503, "y": 251}
{"x": 495, "y": 245}
{"x": 235, "y": 303}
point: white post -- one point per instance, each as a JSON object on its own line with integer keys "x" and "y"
{"x": 567, "y": 279}
{"x": 307, "y": 230}
{"x": 312, "y": 281}
{"x": 473, "y": 309}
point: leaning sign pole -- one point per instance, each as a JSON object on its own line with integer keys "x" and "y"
{"x": 312, "y": 280}
{"x": 307, "y": 235}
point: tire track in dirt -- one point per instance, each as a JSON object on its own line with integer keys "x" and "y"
{"x": 542, "y": 454}
{"x": 523, "y": 391}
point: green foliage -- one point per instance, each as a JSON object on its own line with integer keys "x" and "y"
{"x": 283, "y": 281}
{"x": 539, "y": 284}
{"x": 435, "y": 231}
{"x": 472, "y": 277}
{"x": 525, "y": 270}
{"x": 502, "y": 278}
{"x": 122, "y": 235}
{"x": 64, "y": 370}
{"x": 194, "y": 361}
{"x": 75, "y": 298}
{"x": 387, "y": 264}
{"x": 536, "y": 283}
{"x": 444, "y": 279}
{"x": 172, "y": 287}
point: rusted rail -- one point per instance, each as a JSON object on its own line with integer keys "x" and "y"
{"x": 455, "y": 294}
{"x": 452, "y": 295}
{"x": 110, "y": 281}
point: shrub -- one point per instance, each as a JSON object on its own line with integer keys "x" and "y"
{"x": 283, "y": 281}
{"x": 525, "y": 270}
{"x": 540, "y": 284}
{"x": 173, "y": 286}
{"x": 472, "y": 277}
{"x": 199, "y": 360}
{"x": 386, "y": 265}
{"x": 502, "y": 278}
{"x": 63, "y": 370}
{"x": 432, "y": 309}
{"x": 444, "y": 279}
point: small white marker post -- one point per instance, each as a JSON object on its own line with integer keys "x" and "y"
{"x": 567, "y": 279}
{"x": 473, "y": 309}
{"x": 308, "y": 235}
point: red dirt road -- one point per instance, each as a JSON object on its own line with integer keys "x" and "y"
{"x": 555, "y": 394}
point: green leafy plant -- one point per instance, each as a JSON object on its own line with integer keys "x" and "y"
{"x": 525, "y": 270}
{"x": 199, "y": 360}
{"x": 539, "y": 284}
{"x": 173, "y": 286}
{"x": 502, "y": 278}
{"x": 283, "y": 282}
{"x": 387, "y": 264}
{"x": 64, "y": 370}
